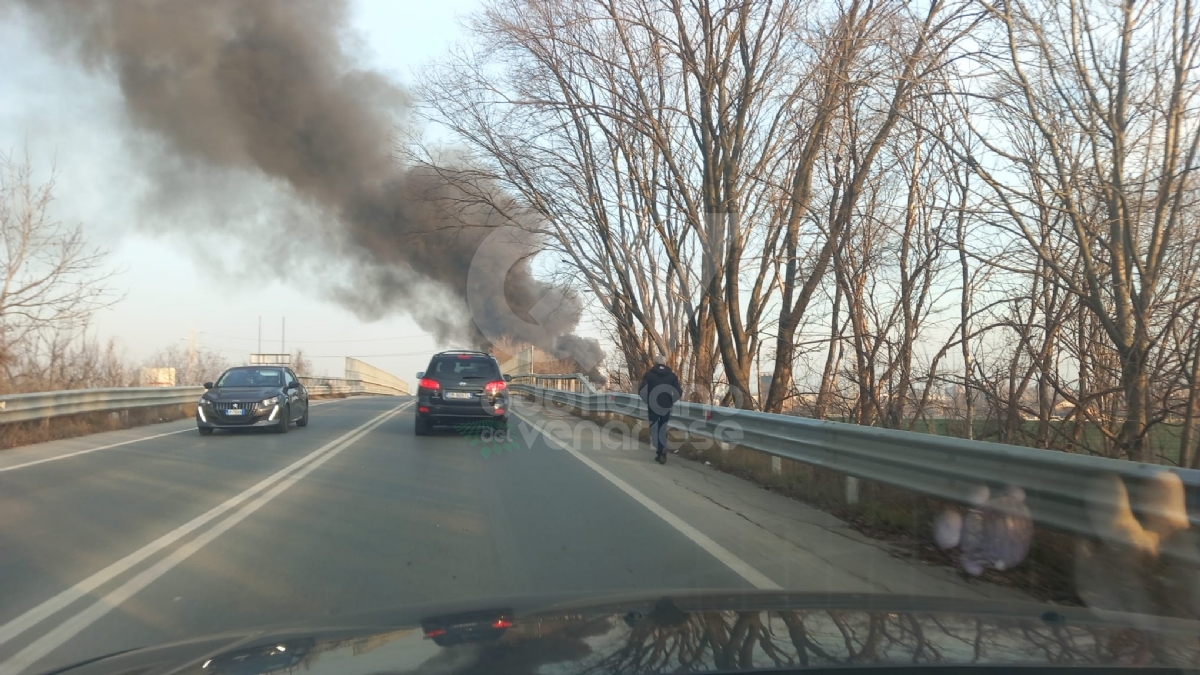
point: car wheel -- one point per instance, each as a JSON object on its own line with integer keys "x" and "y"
{"x": 205, "y": 431}
{"x": 303, "y": 421}
{"x": 284, "y": 421}
{"x": 421, "y": 426}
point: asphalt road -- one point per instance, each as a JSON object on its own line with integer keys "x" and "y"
{"x": 158, "y": 534}
{"x": 388, "y": 519}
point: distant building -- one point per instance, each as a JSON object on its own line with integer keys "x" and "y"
{"x": 1064, "y": 409}
{"x": 156, "y": 377}
{"x": 764, "y": 387}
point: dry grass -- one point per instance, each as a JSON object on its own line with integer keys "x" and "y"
{"x": 27, "y": 433}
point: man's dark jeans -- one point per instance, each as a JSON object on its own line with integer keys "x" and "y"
{"x": 658, "y": 430}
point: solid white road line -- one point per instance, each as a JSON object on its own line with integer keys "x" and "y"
{"x": 59, "y": 602}
{"x": 76, "y": 624}
{"x": 743, "y": 569}
{"x": 87, "y": 450}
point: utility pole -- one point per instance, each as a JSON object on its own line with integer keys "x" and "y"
{"x": 189, "y": 375}
{"x": 283, "y": 335}
{"x": 260, "y": 333}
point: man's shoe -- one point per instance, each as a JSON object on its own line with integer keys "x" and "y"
{"x": 661, "y": 458}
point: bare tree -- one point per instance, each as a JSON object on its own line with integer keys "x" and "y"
{"x": 51, "y": 279}
{"x": 205, "y": 365}
{"x": 1090, "y": 110}
{"x": 970, "y": 210}
{"x": 301, "y": 364}
{"x": 870, "y": 63}
{"x": 653, "y": 124}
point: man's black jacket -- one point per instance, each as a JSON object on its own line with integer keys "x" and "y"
{"x": 660, "y": 389}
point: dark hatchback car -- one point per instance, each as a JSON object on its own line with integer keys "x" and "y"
{"x": 253, "y": 396}
{"x": 461, "y": 386}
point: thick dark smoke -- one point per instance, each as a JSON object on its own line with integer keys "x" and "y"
{"x": 585, "y": 351}
{"x": 268, "y": 86}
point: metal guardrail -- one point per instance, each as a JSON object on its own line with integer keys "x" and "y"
{"x": 1058, "y": 485}
{"x": 50, "y": 404}
{"x": 45, "y": 405}
{"x": 568, "y": 382}
{"x": 333, "y": 386}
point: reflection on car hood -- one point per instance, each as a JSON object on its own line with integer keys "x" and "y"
{"x": 667, "y": 633}
{"x": 239, "y": 394}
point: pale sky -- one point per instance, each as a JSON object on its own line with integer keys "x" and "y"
{"x": 74, "y": 121}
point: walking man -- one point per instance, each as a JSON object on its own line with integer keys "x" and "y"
{"x": 660, "y": 390}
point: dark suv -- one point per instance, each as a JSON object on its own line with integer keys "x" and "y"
{"x": 461, "y": 386}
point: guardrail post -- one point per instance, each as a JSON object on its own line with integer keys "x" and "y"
{"x": 851, "y": 490}
{"x": 776, "y": 464}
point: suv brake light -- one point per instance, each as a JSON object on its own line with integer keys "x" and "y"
{"x": 427, "y": 383}
{"x": 493, "y": 388}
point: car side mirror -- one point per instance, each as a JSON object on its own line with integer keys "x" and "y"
{"x": 508, "y": 378}
{"x": 420, "y": 374}
{"x": 208, "y": 385}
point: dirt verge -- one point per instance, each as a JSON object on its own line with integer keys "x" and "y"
{"x": 18, "y": 434}
{"x": 899, "y": 518}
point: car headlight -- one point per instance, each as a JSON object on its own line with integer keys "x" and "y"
{"x": 204, "y": 400}
{"x": 268, "y": 402}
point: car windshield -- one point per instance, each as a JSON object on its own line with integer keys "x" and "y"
{"x": 312, "y": 311}
{"x": 472, "y": 368}
{"x": 247, "y": 377}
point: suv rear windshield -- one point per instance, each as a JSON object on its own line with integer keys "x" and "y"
{"x": 470, "y": 368}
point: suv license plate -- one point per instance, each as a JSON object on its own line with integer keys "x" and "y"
{"x": 235, "y": 411}
{"x": 459, "y": 395}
